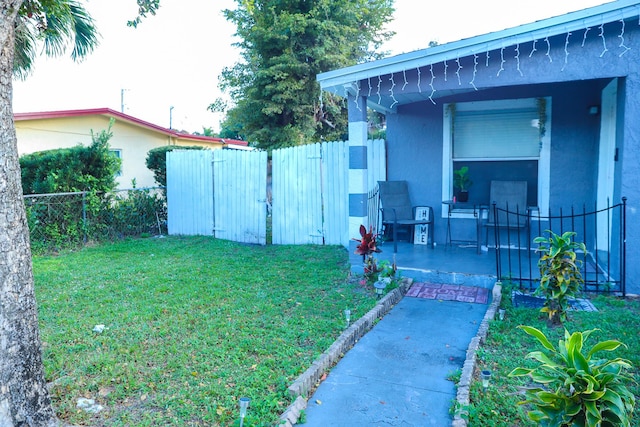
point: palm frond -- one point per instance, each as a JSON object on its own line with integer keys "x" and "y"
{"x": 56, "y": 25}
{"x": 25, "y": 49}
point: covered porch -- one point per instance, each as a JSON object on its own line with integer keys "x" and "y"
{"x": 513, "y": 254}
{"x": 458, "y": 264}
{"x": 552, "y": 104}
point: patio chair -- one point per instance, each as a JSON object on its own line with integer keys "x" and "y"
{"x": 507, "y": 201}
{"x": 397, "y": 210}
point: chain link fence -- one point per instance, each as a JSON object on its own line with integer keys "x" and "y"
{"x": 67, "y": 220}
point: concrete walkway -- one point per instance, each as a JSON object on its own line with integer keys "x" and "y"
{"x": 396, "y": 374}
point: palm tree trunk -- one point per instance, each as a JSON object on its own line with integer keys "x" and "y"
{"x": 24, "y": 399}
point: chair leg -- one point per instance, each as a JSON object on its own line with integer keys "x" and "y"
{"x": 395, "y": 238}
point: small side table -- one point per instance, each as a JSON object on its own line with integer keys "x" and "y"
{"x": 459, "y": 206}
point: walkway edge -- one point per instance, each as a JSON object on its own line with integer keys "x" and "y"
{"x": 462, "y": 395}
{"x": 306, "y": 383}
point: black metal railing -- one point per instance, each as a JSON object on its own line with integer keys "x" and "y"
{"x": 602, "y": 230}
{"x": 373, "y": 209}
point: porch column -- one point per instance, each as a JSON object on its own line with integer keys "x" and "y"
{"x": 358, "y": 185}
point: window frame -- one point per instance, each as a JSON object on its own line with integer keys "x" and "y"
{"x": 544, "y": 162}
{"x": 118, "y": 153}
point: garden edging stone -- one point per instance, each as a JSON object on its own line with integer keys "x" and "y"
{"x": 466, "y": 377}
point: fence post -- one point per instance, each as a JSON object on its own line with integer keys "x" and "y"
{"x": 84, "y": 217}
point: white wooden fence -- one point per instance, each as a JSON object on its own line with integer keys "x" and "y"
{"x": 220, "y": 193}
{"x": 223, "y": 193}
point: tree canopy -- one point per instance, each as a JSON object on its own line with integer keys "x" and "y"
{"x": 284, "y": 45}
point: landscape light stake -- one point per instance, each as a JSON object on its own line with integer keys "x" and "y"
{"x": 244, "y": 404}
{"x": 347, "y": 315}
{"x": 379, "y": 285}
{"x": 486, "y": 377}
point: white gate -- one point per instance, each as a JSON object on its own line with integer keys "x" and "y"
{"x": 220, "y": 193}
{"x": 240, "y": 195}
{"x": 335, "y": 192}
{"x": 190, "y": 192}
{"x": 311, "y": 191}
{"x": 297, "y": 195}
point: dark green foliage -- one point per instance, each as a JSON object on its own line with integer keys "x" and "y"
{"x": 573, "y": 386}
{"x": 284, "y": 46}
{"x": 71, "y": 169}
{"x": 560, "y": 277}
{"x": 145, "y": 7}
{"x": 157, "y": 161}
{"x": 133, "y": 213}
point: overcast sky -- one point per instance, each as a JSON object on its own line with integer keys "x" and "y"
{"x": 175, "y": 58}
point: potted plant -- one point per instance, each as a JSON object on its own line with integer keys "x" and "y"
{"x": 462, "y": 182}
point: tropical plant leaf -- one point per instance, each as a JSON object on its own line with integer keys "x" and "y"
{"x": 520, "y": 372}
{"x": 537, "y": 334}
{"x": 609, "y": 345}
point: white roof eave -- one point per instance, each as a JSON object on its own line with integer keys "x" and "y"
{"x": 335, "y": 81}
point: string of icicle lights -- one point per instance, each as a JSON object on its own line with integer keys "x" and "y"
{"x": 399, "y": 82}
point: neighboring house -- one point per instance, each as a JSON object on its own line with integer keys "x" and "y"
{"x": 132, "y": 138}
{"x": 555, "y": 103}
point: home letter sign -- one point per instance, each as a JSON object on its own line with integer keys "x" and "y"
{"x": 421, "y": 231}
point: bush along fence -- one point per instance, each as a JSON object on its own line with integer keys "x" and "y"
{"x": 601, "y": 229}
{"x": 67, "y": 220}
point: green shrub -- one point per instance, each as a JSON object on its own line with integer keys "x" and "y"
{"x": 157, "y": 161}
{"x": 73, "y": 169}
{"x": 560, "y": 277}
{"x": 132, "y": 214}
{"x": 577, "y": 388}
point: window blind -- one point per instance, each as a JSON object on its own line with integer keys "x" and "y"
{"x": 496, "y": 134}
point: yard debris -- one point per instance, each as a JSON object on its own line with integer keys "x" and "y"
{"x": 89, "y": 405}
{"x": 99, "y": 329}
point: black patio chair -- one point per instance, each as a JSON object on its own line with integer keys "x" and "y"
{"x": 507, "y": 207}
{"x": 397, "y": 211}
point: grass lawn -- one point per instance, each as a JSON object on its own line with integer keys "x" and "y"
{"x": 507, "y": 346}
{"x": 193, "y": 324}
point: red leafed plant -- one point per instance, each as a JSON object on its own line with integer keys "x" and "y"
{"x": 367, "y": 244}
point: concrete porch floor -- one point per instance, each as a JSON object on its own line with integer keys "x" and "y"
{"x": 458, "y": 264}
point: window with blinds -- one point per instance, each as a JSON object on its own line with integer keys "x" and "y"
{"x": 496, "y": 134}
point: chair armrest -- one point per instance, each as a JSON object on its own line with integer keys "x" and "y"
{"x": 393, "y": 213}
